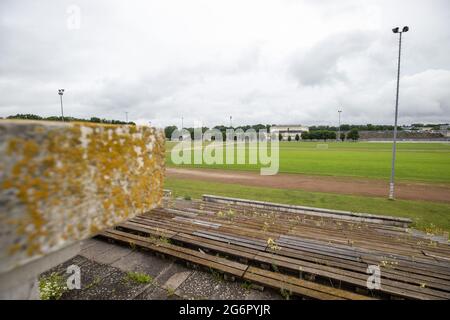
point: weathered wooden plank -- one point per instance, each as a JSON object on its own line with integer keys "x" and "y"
{"x": 181, "y": 212}
{"x": 377, "y": 254}
{"x": 160, "y": 232}
{"x": 237, "y": 252}
{"x": 217, "y": 246}
{"x": 300, "y": 286}
{"x": 354, "y": 278}
{"x": 328, "y": 248}
{"x": 232, "y": 240}
{"x": 343, "y": 215}
{"x": 293, "y": 289}
{"x": 199, "y": 222}
{"x": 193, "y": 256}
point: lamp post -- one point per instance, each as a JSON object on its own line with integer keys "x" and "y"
{"x": 231, "y": 121}
{"x": 394, "y": 145}
{"x": 61, "y": 92}
{"x": 339, "y": 129}
{"x": 126, "y": 116}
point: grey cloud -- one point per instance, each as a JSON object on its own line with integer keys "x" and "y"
{"x": 426, "y": 94}
{"x": 319, "y": 64}
{"x": 284, "y": 62}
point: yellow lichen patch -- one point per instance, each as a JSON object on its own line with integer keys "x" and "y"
{"x": 14, "y": 248}
{"x": 7, "y": 184}
{"x": 65, "y": 182}
{"x": 12, "y": 146}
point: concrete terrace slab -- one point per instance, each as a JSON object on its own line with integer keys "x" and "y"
{"x": 157, "y": 293}
{"x": 176, "y": 280}
{"x": 173, "y": 269}
{"x": 92, "y": 275}
{"x": 112, "y": 255}
{"x": 115, "y": 286}
{"x": 108, "y": 279}
{"x": 97, "y": 248}
{"x": 202, "y": 285}
{"x": 138, "y": 261}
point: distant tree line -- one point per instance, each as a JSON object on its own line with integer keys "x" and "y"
{"x": 317, "y": 132}
{"x": 360, "y": 127}
{"x": 418, "y": 126}
{"x": 319, "y": 135}
{"x": 55, "y": 118}
{"x": 325, "y": 135}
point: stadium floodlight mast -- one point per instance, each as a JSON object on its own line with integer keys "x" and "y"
{"x": 126, "y": 116}
{"x": 339, "y": 128}
{"x": 394, "y": 145}
{"x": 61, "y": 92}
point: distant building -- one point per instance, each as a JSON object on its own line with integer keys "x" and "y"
{"x": 426, "y": 129}
{"x": 407, "y": 128}
{"x": 287, "y": 131}
{"x": 444, "y": 130}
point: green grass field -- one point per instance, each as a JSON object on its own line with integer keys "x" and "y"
{"x": 418, "y": 162}
{"x": 427, "y": 162}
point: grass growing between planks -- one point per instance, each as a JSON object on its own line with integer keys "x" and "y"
{"x": 426, "y": 216}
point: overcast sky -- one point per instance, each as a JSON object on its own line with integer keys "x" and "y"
{"x": 277, "y": 62}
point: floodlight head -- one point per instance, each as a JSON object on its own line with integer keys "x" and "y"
{"x": 60, "y": 92}
{"x": 395, "y": 30}
{"x": 405, "y": 29}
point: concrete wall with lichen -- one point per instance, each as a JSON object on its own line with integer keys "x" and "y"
{"x": 63, "y": 182}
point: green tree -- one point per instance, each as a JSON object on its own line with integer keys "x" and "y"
{"x": 297, "y": 137}
{"x": 305, "y": 135}
{"x": 330, "y": 135}
{"x": 169, "y": 130}
{"x": 25, "y": 116}
{"x": 342, "y": 136}
{"x": 353, "y": 134}
{"x": 289, "y": 138}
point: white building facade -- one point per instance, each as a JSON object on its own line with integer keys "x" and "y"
{"x": 287, "y": 131}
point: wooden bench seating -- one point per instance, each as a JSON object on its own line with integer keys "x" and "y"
{"x": 310, "y": 257}
{"x": 353, "y": 275}
{"x": 275, "y": 280}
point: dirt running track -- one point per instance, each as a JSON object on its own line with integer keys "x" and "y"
{"x": 342, "y": 185}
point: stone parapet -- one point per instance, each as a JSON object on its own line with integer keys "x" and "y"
{"x": 63, "y": 182}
